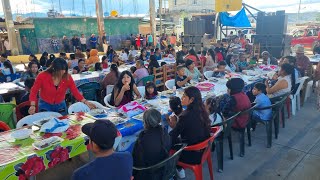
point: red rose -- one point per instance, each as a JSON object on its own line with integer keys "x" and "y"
{"x": 73, "y": 131}
{"x": 33, "y": 166}
{"x": 58, "y": 155}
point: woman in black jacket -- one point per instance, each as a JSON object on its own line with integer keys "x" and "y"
{"x": 152, "y": 146}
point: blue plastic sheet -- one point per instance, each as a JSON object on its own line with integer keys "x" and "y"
{"x": 239, "y": 20}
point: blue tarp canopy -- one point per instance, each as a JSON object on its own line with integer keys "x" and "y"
{"x": 238, "y": 20}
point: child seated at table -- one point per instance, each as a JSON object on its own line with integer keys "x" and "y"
{"x": 104, "y": 62}
{"x": 151, "y": 90}
{"x": 242, "y": 63}
{"x": 237, "y": 102}
{"x": 97, "y": 67}
{"x": 181, "y": 79}
{"x": 176, "y": 108}
{"x": 262, "y": 101}
{"x": 107, "y": 164}
{"x": 221, "y": 70}
{"x": 28, "y": 83}
{"x": 152, "y": 146}
{"x": 212, "y": 106}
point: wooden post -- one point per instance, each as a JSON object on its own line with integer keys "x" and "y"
{"x": 160, "y": 15}
{"x": 153, "y": 23}
{"x": 10, "y": 27}
{"x": 100, "y": 20}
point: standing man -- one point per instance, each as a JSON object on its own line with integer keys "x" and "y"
{"x": 83, "y": 41}
{"x": 104, "y": 42}
{"x": 133, "y": 40}
{"x": 7, "y": 45}
{"x": 25, "y": 45}
{"x": 93, "y": 41}
{"x": 303, "y": 62}
{"x": 150, "y": 40}
{"x": 66, "y": 44}
{"x": 54, "y": 44}
{"x": 75, "y": 42}
{"x": 163, "y": 42}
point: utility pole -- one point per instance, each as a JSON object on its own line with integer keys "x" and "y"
{"x": 153, "y": 24}
{"x": 100, "y": 20}
{"x": 299, "y": 12}
{"x": 10, "y": 27}
{"x": 160, "y": 15}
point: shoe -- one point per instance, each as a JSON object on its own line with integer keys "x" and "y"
{"x": 180, "y": 173}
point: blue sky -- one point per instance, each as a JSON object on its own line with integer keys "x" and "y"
{"x": 28, "y": 6}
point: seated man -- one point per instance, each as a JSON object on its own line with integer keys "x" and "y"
{"x": 181, "y": 79}
{"x": 108, "y": 164}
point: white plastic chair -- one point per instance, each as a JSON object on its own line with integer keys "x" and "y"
{"x": 28, "y": 120}
{"x": 98, "y": 105}
{"x": 142, "y": 90}
{"x": 109, "y": 89}
{"x": 295, "y": 98}
{"x": 78, "y": 107}
{"x": 309, "y": 90}
{"x": 170, "y": 83}
{"x": 208, "y": 74}
{"x": 106, "y": 101}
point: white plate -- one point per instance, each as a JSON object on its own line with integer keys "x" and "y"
{"x": 21, "y": 134}
{"x": 47, "y": 142}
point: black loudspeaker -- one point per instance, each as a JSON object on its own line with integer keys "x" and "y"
{"x": 273, "y": 24}
{"x": 277, "y": 45}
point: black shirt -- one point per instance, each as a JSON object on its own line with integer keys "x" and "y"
{"x": 178, "y": 78}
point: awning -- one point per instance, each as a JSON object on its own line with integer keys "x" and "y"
{"x": 238, "y": 20}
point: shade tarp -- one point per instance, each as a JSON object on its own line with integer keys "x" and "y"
{"x": 238, "y": 20}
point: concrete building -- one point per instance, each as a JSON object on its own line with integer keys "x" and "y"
{"x": 193, "y": 6}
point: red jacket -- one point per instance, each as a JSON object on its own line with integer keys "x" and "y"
{"x": 242, "y": 103}
{"x": 49, "y": 93}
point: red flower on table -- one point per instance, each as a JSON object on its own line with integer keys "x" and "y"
{"x": 33, "y": 166}
{"x": 73, "y": 131}
{"x": 47, "y": 135}
{"x": 58, "y": 155}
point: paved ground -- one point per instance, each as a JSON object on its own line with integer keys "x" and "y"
{"x": 294, "y": 155}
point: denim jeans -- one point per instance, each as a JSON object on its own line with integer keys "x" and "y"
{"x": 55, "y": 49}
{"x": 59, "y": 108}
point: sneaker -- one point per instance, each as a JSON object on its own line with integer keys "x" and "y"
{"x": 180, "y": 173}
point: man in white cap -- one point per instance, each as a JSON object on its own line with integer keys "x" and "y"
{"x": 268, "y": 59}
{"x": 303, "y": 62}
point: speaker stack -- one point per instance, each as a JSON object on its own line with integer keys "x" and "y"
{"x": 271, "y": 33}
{"x": 193, "y": 33}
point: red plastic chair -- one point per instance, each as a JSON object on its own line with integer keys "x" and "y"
{"x": 4, "y": 126}
{"x": 22, "y": 105}
{"x": 206, "y": 156}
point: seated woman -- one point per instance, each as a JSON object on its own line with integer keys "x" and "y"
{"x": 153, "y": 64}
{"x": 192, "y": 71}
{"x": 143, "y": 55}
{"x": 123, "y": 90}
{"x": 193, "y": 56}
{"x": 193, "y": 126}
{"x": 8, "y": 69}
{"x": 115, "y": 60}
{"x": 141, "y": 72}
{"x": 94, "y": 58}
{"x": 152, "y": 145}
{"x": 231, "y": 62}
{"x": 33, "y": 71}
{"x": 111, "y": 78}
{"x": 80, "y": 68}
{"x": 210, "y": 62}
{"x": 221, "y": 70}
{"x": 158, "y": 54}
{"x": 285, "y": 81}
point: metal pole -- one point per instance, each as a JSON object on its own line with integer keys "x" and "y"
{"x": 100, "y": 20}
{"x": 10, "y": 27}
{"x": 152, "y": 10}
{"x": 299, "y": 12}
{"x": 160, "y": 15}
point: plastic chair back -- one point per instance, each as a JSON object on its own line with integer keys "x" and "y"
{"x": 144, "y": 80}
{"x": 6, "y": 114}
{"x": 227, "y": 124}
{"x": 208, "y": 74}
{"x": 22, "y": 106}
{"x": 107, "y": 100}
{"x": 170, "y": 83}
{"x": 4, "y": 127}
{"x": 109, "y": 89}
{"x": 28, "y": 120}
{"x": 98, "y": 105}
{"x": 89, "y": 90}
{"x": 142, "y": 90}
{"x": 78, "y": 107}
{"x": 167, "y": 166}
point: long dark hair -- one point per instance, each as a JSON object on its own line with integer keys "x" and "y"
{"x": 197, "y": 105}
{"x": 43, "y": 59}
{"x": 179, "y": 59}
{"x": 175, "y": 105}
{"x": 30, "y": 66}
{"x": 289, "y": 69}
{"x": 148, "y": 85}
{"x": 193, "y": 52}
{"x": 212, "y": 54}
{"x": 119, "y": 84}
{"x": 153, "y": 63}
{"x": 141, "y": 57}
{"x": 228, "y": 60}
{"x": 213, "y": 107}
{"x": 109, "y": 50}
{"x": 114, "y": 68}
{"x": 7, "y": 64}
{"x": 56, "y": 66}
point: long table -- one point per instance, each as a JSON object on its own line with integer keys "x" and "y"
{"x": 18, "y": 158}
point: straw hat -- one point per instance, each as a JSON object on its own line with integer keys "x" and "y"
{"x": 300, "y": 50}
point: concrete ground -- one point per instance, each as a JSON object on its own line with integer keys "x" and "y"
{"x": 294, "y": 155}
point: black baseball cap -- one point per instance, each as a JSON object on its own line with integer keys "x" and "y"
{"x": 102, "y": 132}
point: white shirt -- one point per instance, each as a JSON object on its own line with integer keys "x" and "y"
{"x": 133, "y": 53}
{"x": 124, "y": 57}
{"x": 83, "y": 40}
{"x": 7, "y": 45}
